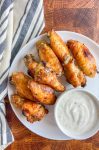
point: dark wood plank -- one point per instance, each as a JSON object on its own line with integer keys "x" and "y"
{"x": 81, "y": 16}
{"x": 82, "y": 20}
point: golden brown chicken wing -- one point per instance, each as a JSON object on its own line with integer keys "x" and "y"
{"x": 17, "y": 100}
{"x": 20, "y": 81}
{"x": 31, "y": 110}
{"x": 42, "y": 93}
{"x": 73, "y": 74}
{"x": 47, "y": 55}
{"x": 42, "y": 74}
{"x": 83, "y": 57}
{"x": 58, "y": 46}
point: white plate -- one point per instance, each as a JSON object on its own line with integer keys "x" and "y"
{"x": 47, "y": 127}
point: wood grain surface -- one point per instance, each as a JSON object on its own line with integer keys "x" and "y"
{"x": 74, "y": 15}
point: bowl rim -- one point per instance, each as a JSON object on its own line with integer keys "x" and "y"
{"x": 77, "y": 137}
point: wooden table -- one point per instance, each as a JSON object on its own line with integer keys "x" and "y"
{"x": 75, "y": 15}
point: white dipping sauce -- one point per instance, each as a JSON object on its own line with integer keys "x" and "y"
{"x": 77, "y": 112}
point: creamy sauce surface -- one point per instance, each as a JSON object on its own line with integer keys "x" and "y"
{"x": 77, "y": 112}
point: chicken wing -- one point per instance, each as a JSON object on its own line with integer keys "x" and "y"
{"x": 31, "y": 110}
{"x": 83, "y": 57}
{"x": 20, "y": 81}
{"x": 17, "y": 100}
{"x": 73, "y": 74}
{"x": 47, "y": 55}
{"x": 42, "y": 74}
{"x": 58, "y": 45}
{"x": 42, "y": 93}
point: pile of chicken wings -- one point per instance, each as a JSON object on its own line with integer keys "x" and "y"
{"x": 37, "y": 89}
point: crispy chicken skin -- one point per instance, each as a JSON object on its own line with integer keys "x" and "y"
{"x": 42, "y": 74}
{"x": 47, "y": 55}
{"x": 73, "y": 74}
{"x": 58, "y": 45}
{"x": 17, "y": 100}
{"x": 31, "y": 110}
{"x": 20, "y": 81}
{"x": 42, "y": 93}
{"x": 83, "y": 57}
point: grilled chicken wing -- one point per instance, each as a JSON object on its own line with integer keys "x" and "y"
{"x": 73, "y": 74}
{"x": 83, "y": 57}
{"x": 58, "y": 45}
{"x": 31, "y": 110}
{"x": 47, "y": 55}
{"x": 42, "y": 93}
{"x": 20, "y": 81}
{"x": 42, "y": 74}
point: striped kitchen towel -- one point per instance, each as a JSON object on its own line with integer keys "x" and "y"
{"x": 20, "y": 21}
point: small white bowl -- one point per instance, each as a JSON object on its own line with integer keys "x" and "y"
{"x": 69, "y": 133}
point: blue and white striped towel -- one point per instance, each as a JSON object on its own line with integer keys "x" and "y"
{"x": 20, "y": 21}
